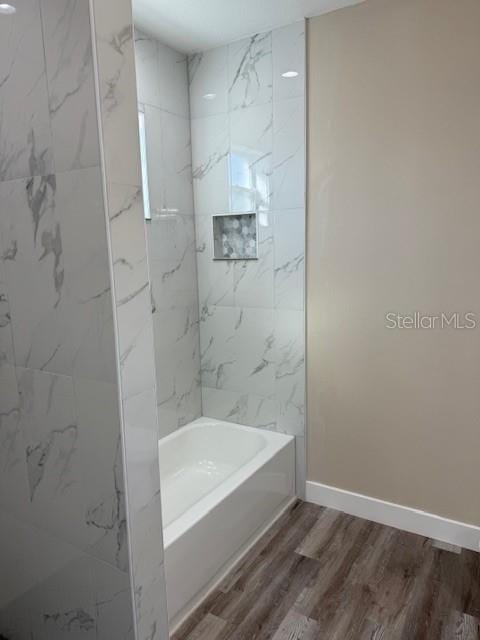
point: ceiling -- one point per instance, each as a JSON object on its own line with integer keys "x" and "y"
{"x": 196, "y": 25}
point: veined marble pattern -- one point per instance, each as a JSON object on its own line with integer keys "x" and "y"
{"x": 248, "y": 155}
{"x": 288, "y": 171}
{"x": 208, "y": 78}
{"x": 59, "y": 592}
{"x": 169, "y": 160}
{"x": 14, "y": 490}
{"x": 63, "y": 527}
{"x": 25, "y": 134}
{"x": 215, "y": 279}
{"x": 210, "y": 161}
{"x": 53, "y": 241}
{"x": 68, "y": 51}
{"x": 119, "y": 115}
{"x": 288, "y": 48}
{"x": 6, "y": 339}
{"x": 116, "y": 70}
{"x": 251, "y": 149}
{"x": 289, "y": 262}
{"x": 163, "y": 94}
{"x": 250, "y": 75}
{"x": 237, "y": 349}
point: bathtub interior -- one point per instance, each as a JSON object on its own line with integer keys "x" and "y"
{"x": 203, "y": 455}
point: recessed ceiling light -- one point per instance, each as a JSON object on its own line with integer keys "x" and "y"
{"x": 290, "y": 74}
{"x": 7, "y": 9}
{"x": 210, "y": 96}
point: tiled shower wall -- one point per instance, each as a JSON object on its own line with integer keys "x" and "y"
{"x": 248, "y": 144}
{"x": 163, "y": 96}
{"x": 119, "y": 127}
{"x": 63, "y": 534}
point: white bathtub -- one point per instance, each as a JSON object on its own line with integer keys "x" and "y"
{"x": 221, "y": 485}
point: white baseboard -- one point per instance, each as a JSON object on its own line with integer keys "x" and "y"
{"x": 395, "y": 515}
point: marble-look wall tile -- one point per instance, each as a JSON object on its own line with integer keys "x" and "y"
{"x": 68, "y": 53}
{"x": 237, "y": 349}
{"x": 289, "y": 259}
{"x": 25, "y": 133}
{"x": 251, "y": 312}
{"x": 74, "y": 462}
{"x": 162, "y": 75}
{"x": 243, "y": 408}
{"x": 254, "y": 279}
{"x": 288, "y": 47}
{"x": 208, "y": 78}
{"x": 289, "y": 154}
{"x": 132, "y": 289}
{"x": 250, "y": 71}
{"x": 210, "y": 161}
{"x": 51, "y": 591}
{"x": 6, "y": 337}
{"x": 14, "y": 489}
{"x": 53, "y": 242}
{"x": 251, "y": 147}
{"x": 173, "y": 76}
{"x": 118, "y": 101}
{"x": 169, "y": 161}
{"x": 149, "y": 90}
{"x": 133, "y": 300}
{"x": 290, "y": 371}
{"x": 215, "y": 279}
{"x": 100, "y": 450}
{"x": 171, "y": 234}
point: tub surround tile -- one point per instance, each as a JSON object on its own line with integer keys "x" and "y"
{"x": 288, "y": 46}
{"x": 172, "y": 67}
{"x": 253, "y": 279}
{"x": 118, "y": 104}
{"x": 215, "y": 279}
{"x": 68, "y": 52}
{"x": 289, "y": 271}
{"x": 162, "y": 76}
{"x": 237, "y": 349}
{"x": 288, "y": 170}
{"x": 132, "y": 289}
{"x": 133, "y": 299}
{"x": 141, "y": 437}
{"x": 251, "y": 148}
{"x": 290, "y": 371}
{"x": 250, "y": 71}
{"x": 242, "y": 408}
{"x": 171, "y": 234}
{"x": 146, "y": 66}
{"x": 208, "y": 78}
{"x": 26, "y": 139}
{"x": 248, "y": 155}
{"x": 210, "y": 151}
{"x": 173, "y": 274}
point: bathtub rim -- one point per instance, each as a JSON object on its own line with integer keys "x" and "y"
{"x": 275, "y": 442}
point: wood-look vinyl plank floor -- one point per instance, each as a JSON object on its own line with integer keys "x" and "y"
{"x": 319, "y": 574}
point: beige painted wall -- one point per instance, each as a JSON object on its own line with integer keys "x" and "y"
{"x": 394, "y": 225}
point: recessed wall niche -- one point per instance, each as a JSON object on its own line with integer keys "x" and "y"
{"x": 235, "y": 236}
